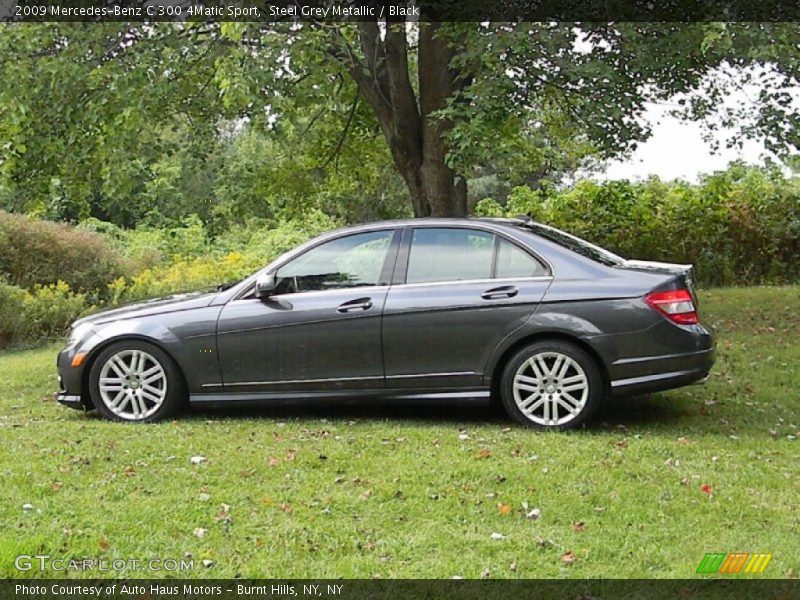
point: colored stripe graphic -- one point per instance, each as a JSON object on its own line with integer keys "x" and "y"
{"x": 734, "y": 562}
{"x": 711, "y": 562}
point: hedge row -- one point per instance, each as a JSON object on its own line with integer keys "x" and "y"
{"x": 738, "y": 227}
{"x": 34, "y": 252}
{"x": 163, "y": 261}
{"x": 45, "y": 312}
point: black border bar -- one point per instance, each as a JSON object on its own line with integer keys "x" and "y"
{"x": 467, "y": 589}
{"x": 430, "y": 10}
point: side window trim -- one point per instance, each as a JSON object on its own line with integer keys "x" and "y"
{"x": 401, "y": 265}
{"x": 495, "y": 255}
{"x": 390, "y": 262}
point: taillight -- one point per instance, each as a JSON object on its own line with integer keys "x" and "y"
{"x": 676, "y": 305}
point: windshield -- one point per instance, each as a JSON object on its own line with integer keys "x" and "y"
{"x": 576, "y": 244}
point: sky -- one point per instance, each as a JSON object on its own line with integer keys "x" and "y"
{"x": 677, "y": 150}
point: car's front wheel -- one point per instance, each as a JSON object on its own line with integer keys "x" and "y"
{"x": 136, "y": 381}
{"x": 551, "y": 385}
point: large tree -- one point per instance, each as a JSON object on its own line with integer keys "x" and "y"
{"x": 446, "y": 97}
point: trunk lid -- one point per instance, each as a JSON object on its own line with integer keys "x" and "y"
{"x": 684, "y": 274}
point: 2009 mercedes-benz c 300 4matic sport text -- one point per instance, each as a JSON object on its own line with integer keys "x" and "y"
{"x": 538, "y": 319}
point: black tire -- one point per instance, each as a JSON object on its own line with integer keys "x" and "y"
{"x": 584, "y": 407}
{"x": 172, "y": 384}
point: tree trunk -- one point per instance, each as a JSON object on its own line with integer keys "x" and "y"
{"x": 415, "y": 138}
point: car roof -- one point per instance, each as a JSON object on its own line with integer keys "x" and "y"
{"x": 425, "y": 221}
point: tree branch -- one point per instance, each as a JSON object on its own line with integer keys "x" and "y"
{"x": 343, "y": 136}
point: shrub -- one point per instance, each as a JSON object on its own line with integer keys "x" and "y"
{"x": 28, "y": 316}
{"x": 39, "y": 252}
{"x": 146, "y": 247}
{"x": 233, "y": 256}
{"x": 738, "y": 227}
{"x": 489, "y": 207}
{"x": 48, "y": 310}
{"x": 12, "y": 326}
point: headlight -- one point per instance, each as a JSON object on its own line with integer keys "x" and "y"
{"x": 78, "y": 333}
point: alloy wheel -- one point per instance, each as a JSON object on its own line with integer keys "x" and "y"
{"x": 133, "y": 384}
{"x": 550, "y": 388}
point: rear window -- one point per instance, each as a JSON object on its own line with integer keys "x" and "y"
{"x": 576, "y": 244}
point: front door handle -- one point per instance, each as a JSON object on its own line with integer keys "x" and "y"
{"x": 357, "y": 304}
{"x": 504, "y": 291}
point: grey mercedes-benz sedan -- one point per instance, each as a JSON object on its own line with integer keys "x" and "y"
{"x": 537, "y": 319}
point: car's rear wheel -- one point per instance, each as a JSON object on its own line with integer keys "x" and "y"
{"x": 551, "y": 384}
{"x": 135, "y": 381}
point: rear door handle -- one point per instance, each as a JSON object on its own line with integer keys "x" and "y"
{"x": 357, "y": 304}
{"x": 504, "y": 291}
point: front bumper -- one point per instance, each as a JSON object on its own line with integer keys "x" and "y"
{"x": 69, "y": 381}
{"x": 69, "y": 400}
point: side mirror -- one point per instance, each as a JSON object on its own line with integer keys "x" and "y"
{"x": 265, "y": 286}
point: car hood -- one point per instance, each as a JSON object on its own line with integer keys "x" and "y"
{"x": 155, "y": 306}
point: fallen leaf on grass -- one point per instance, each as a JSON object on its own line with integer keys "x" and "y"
{"x": 568, "y": 557}
{"x": 103, "y": 543}
{"x": 504, "y": 509}
{"x": 534, "y": 514}
{"x": 224, "y": 513}
{"x": 286, "y": 507}
{"x": 273, "y": 461}
{"x": 199, "y": 532}
{"x": 129, "y": 471}
{"x": 484, "y": 453}
{"x": 579, "y": 526}
{"x": 706, "y": 489}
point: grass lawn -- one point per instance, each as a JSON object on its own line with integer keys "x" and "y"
{"x": 426, "y": 489}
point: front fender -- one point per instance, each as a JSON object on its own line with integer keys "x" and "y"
{"x": 189, "y": 337}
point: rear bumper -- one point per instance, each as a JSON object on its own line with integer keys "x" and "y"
{"x": 659, "y": 373}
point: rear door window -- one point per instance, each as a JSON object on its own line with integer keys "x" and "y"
{"x": 450, "y": 254}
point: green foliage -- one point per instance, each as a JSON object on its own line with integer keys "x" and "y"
{"x": 12, "y": 301}
{"x": 231, "y": 257}
{"x": 489, "y": 207}
{"x": 28, "y": 316}
{"x": 147, "y": 246}
{"x": 739, "y": 227}
{"x": 145, "y": 123}
{"x": 38, "y": 252}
